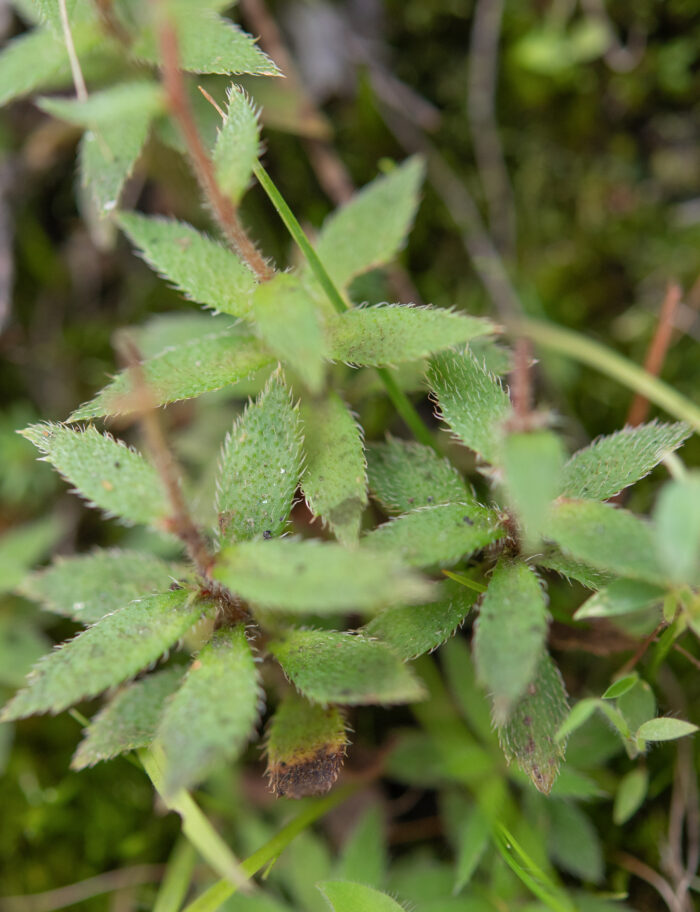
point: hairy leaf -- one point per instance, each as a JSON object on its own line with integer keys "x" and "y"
{"x": 108, "y": 474}
{"x": 237, "y": 145}
{"x": 335, "y": 480}
{"x": 529, "y": 735}
{"x": 436, "y": 535}
{"x": 532, "y": 464}
{"x": 665, "y": 729}
{"x": 389, "y": 334}
{"x": 23, "y": 546}
{"x": 305, "y": 747}
{"x": 182, "y": 372}
{"x": 260, "y": 467}
{"x": 129, "y": 720}
{"x": 89, "y": 586}
{"x": 117, "y": 647}
{"x": 621, "y": 596}
{"x": 199, "y": 267}
{"x": 369, "y": 230}
{"x": 332, "y": 667}
{"x": 313, "y": 576}
{"x": 472, "y": 401}
{"x": 612, "y": 463}
{"x": 510, "y": 635}
{"x": 571, "y": 569}
{"x": 169, "y": 330}
{"x": 346, "y": 896}
{"x": 404, "y": 475}
{"x": 212, "y": 715}
{"x": 677, "y": 529}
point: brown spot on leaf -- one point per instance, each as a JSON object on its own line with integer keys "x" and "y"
{"x": 308, "y": 775}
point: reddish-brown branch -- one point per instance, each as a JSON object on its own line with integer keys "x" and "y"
{"x": 521, "y": 386}
{"x": 222, "y": 207}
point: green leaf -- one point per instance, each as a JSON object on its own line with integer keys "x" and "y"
{"x": 182, "y": 372}
{"x": 619, "y": 597}
{"x": 436, "y": 535}
{"x": 630, "y": 794}
{"x": 665, "y": 729}
{"x": 579, "y": 714}
{"x": 331, "y": 667}
{"x": 416, "y": 629}
{"x": 636, "y": 705}
{"x": 106, "y": 472}
{"x": 200, "y": 268}
{"x": 612, "y": 463}
{"x": 335, "y": 479}
{"x": 288, "y": 322}
{"x": 211, "y": 717}
{"x": 21, "y": 645}
{"x": 314, "y": 576}
{"x": 169, "y": 330}
{"x": 621, "y": 686}
{"x": 510, "y": 635}
{"x": 677, "y": 529}
{"x": 305, "y": 747}
{"x": 529, "y": 735}
{"x": 389, "y": 334}
{"x": 571, "y": 569}
{"x": 129, "y": 720}
{"x": 345, "y": 896}
{"x": 472, "y": 840}
{"x": 404, "y": 475}
{"x": 260, "y": 467}
{"x": 89, "y": 586}
{"x": 471, "y": 400}
{"x": 363, "y": 857}
{"x": 23, "y": 546}
{"x": 460, "y": 676}
{"x": 237, "y": 144}
{"x": 369, "y": 230}
{"x": 532, "y": 465}
{"x": 607, "y": 538}
{"x": 117, "y": 647}
{"x": 573, "y": 842}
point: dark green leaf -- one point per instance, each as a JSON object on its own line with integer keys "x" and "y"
{"x": 631, "y": 792}
{"x": 573, "y": 842}
{"x": 23, "y": 546}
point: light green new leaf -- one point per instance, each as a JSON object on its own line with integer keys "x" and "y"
{"x": 200, "y": 268}
{"x": 621, "y": 686}
{"x": 346, "y": 896}
{"x": 114, "y": 649}
{"x": 182, "y": 372}
{"x": 23, "y": 546}
{"x": 211, "y": 717}
{"x": 106, "y": 472}
{"x": 416, "y": 629}
{"x": 510, "y": 635}
{"x": 404, "y": 475}
{"x": 288, "y": 322}
{"x": 665, "y": 729}
{"x": 612, "y": 463}
{"x": 332, "y": 667}
{"x": 677, "y": 529}
{"x": 169, "y": 330}
{"x": 259, "y": 467}
{"x": 532, "y": 465}
{"x": 631, "y": 792}
{"x": 619, "y": 597}
{"x": 607, "y": 538}
{"x": 390, "y": 334}
{"x": 369, "y": 230}
{"x": 237, "y": 144}
{"x": 129, "y": 720}
{"x": 335, "y": 479}
{"x": 436, "y": 535}
{"x": 89, "y": 586}
{"x": 573, "y": 842}
{"x": 305, "y": 747}
{"x": 529, "y": 736}
{"x": 314, "y": 576}
{"x": 471, "y": 400}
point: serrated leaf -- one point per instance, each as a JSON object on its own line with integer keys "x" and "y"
{"x": 607, "y": 538}
{"x": 404, "y": 475}
{"x": 390, "y": 334}
{"x": 335, "y": 479}
{"x": 510, "y": 635}
{"x": 677, "y": 528}
{"x": 630, "y": 794}
{"x": 473, "y": 838}
{"x": 200, "y": 268}
{"x": 305, "y": 747}
{"x": 106, "y": 472}
{"x": 472, "y": 401}
{"x": 571, "y": 569}
{"x": 620, "y": 597}
{"x": 211, "y": 717}
{"x": 529, "y": 735}
{"x": 23, "y": 546}
{"x": 369, "y": 230}
{"x": 665, "y": 729}
{"x": 436, "y": 535}
{"x": 182, "y": 372}
{"x": 89, "y": 586}
{"x": 237, "y": 144}
{"x": 348, "y": 668}
{"x": 129, "y": 720}
{"x": 532, "y": 464}
{"x": 288, "y": 322}
{"x": 114, "y": 649}
{"x": 259, "y": 468}
{"x": 416, "y": 629}
{"x": 346, "y": 896}
{"x": 363, "y": 857}
{"x": 314, "y": 576}
{"x": 573, "y": 842}
{"x": 612, "y": 463}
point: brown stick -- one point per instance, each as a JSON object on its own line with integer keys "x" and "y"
{"x": 650, "y": 876}
{"x": 521, "y": 386}
{"x": 222, "y": 207}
